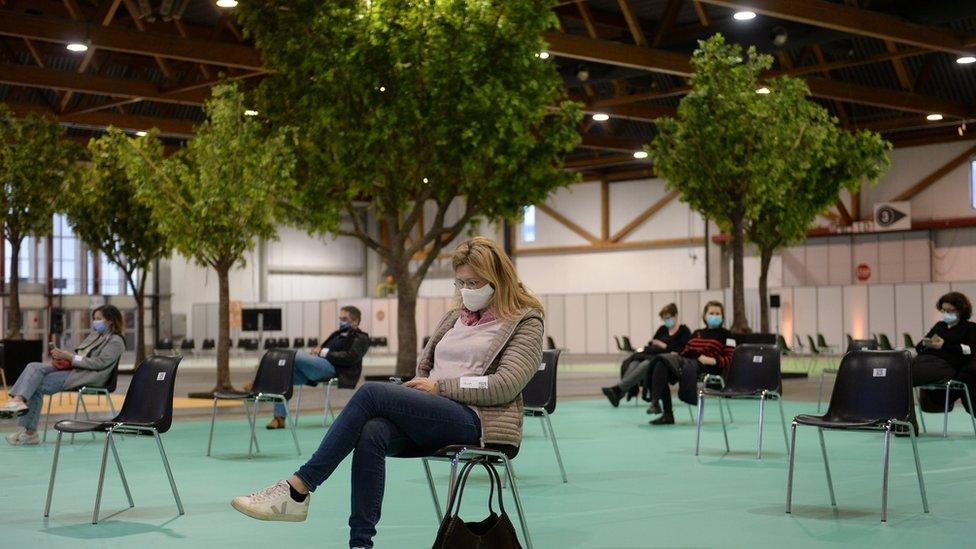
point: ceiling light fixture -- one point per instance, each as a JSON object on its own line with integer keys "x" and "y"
{"x": 763, "y": 90}
{"x": 640, "y": 155}
{"x": 250, "y": 112}
{"x": 141, "y": 133}
{"x": 966, "y": 60}
{"x": 934, "y": 117}
{"x": 426, "y": 180}
{"x": 226, "y": 3}
{"x": 542, "y": 55}
{"x": 601, "y": 117}
{"x": 744, "y": 15}
{"x": 77, "y": 47}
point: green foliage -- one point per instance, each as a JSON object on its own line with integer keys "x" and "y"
{"x": 221, "y": 193}
{"x": 389, "y": 93}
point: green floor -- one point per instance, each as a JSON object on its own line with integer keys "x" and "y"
{"x": 630, "y": 486}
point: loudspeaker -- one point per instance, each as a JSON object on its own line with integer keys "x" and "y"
{"x": 57, "y": 320}
{"x": 774, "y": 301}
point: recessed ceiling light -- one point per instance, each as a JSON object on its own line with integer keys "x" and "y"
{"x": 77, "y": 47}
{"x": 966, "y": 60}
{"x": 543, "y": 55}
{"x": 227, "y": 3}
{"x": 141, "y": 133}
{"x": 640, "y": 155}
{"x": 763, "y": 90}
{"x": 934, "y": 117}
{"x": 744, "y": 15}
{"x": 382, "y": 88}
{"x": 601, "y": 117}
{"x": 250, "y": 112}
{"x": 426, "y": 180}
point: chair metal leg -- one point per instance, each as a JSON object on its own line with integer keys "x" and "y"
{"x": 762, "y": 414}
{"x": 691, "y": 414}
{"x": 918, "y": 468}
{"x": 701, "y": 410}
{"x": 101, "y": 475}
{"x": 544, "y": 432}
{"x": 298, "y": 407}
{"x": 433, "y": 491}
{"x": 921, "y": 414}
{"x": 54, "y": 470}
{"x": 969, "y": 404}
{"x": 169, "y": 472}
{"x": 518, "y": 502}
{"x": 213, "y": 419}
{"x": 294, "y": 435}
{"x": 725, "y": 432}
{"x": 111, "y": 405}
{"x": 328, "y": 405}
{"x": 884, "y": 481}
{"x": 782, "y": 419}
{"x": 252, "y": 419}
{"x": 80, "y": 401}
{"x": 728, "y": 408}
{"x": 118, "y": 463}
{"x": 555, "y": 447}
{"x": 830, "y": 480}
{"x": 789, "y": 473}
{"x": 945, "y": 413}
{"x": 254, "y": 438}
{"x": 47, "y": 416}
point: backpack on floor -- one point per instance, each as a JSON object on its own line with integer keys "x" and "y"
{"x": 494, "y": 532}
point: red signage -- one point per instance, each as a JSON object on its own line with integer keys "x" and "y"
{"x": 863, "y": 272}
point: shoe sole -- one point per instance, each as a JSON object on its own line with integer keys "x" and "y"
{"x": 7, "y": 414}
{"x": 267, "y": 516}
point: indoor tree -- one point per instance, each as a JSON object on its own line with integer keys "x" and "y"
{"x": 106, "y": 211}
{"x": 433, "y": 115}
{"x": 219, "y": 195}
{"x": 36, "y": 158}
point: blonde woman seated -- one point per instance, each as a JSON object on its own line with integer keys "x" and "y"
{"x": 494, "y": 333}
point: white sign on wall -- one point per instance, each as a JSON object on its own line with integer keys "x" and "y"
{"x": 893, "y": 216}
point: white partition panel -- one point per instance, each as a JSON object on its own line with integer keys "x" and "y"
{"x": 891, "y": 258}
{"x": 689, "y": 307}
{"x": 817, "y": 262}
{"x": 328, "y": 313}
{"x": 293, "y": 320}
{"x": 394, "y": 338}
{"x": 642, "y": 319}
{"x": 856, "y": 312}
{"x": 379, "y": 321}
{"x": 830, "y": 308}
{"x": 931, "y": 294}
{"x": 618, "y": 320}
{"x": 881, "y": 310}
{"x": 421, "y": 316}
{"x": 575, "y": 318}
{"x": 784, "y": 314}
{"x": 556, "y": 319}
{"x": 804, "y": 314}
{"x": 839, "y": 268}
{"x": 968, "y": 288}
{"x": 597, "y": 337}
{"x": 794, "y": 266}
{"x": 909, "y": 313}
{"x": 310, "y": 320}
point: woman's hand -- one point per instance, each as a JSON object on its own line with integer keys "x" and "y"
{"x": 936, "y": 342}
{"x": 58, "y": 353}
{"x": 423, "y": 384}
{"x": 707, "y": 360}
{"x": 659, "y": 344}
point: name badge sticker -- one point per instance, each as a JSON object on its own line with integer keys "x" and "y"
{"x": 480, "y": 382}
{"x": 966, "y": 350}
{"x": 730, "y": 342}
{"x": 880, "y": 372}
{"x": 757, "y": 359}
{"x": 160, "y": 376}
{"x": 281, "y": 362}
{"x": 542, "y": 366}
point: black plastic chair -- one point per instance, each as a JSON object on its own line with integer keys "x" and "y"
{"x": 627, "y": 346}
{"x": 539, "y": 400}
{"x": 188, "y": 345}
{"x": 272, "y": 383}
{"x": 313, "y": 342}
{"x": 550, "y": 343}
{"x": 753, "y": 374}
{"x": 873, "y": 393}
{"x": 208, "y": 345}
{"x": 884, "y": 343}
{"x": 948, "y": 386}
{"x": 616, "y": 340}
{"x": 784, "y": 349}
{"x": 270, "y": 343}
{"x": 822, "y": 343}
{"x": 283, "y": 343}
{"x": 147, "y": 411}
{"x": 853, "y": 345}
{"x": 299, "y": 343}
{"x": 909, "y": 344}
{"x": 850, "y": 340}
{"x": 106, "y": 390}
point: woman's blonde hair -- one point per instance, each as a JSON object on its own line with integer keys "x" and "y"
{"x": 487, "y": 259}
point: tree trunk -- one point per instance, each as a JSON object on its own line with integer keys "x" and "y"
{"x": 223, "y": 331}
{"x": 139, "y": 293}
{"x": 406, "y": 320}
{"x": 766, "y": 256}
{"x": 13, "y": 329}
{"x": 740, "y": 323}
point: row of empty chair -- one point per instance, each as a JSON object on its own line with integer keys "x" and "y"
{"x": 252, "y": 344}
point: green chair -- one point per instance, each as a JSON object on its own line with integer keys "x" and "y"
{"x": 884, "y": 343}
{"x": 627, "y": 346}
{"x": 909, "y": 344}
{"x": 822, "y": 342}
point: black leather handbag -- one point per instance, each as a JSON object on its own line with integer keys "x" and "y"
{"x": 494, "y": 532}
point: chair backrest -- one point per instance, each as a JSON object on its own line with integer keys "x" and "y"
{"x": 850, "y": 340}
{"x": 274, "y": 373}
{"x": 540, "y": 392}
{"x": 299, "y": 343}
{"x": 208, "y": 345}
{"x": 113, "y": 378}
{"x": 781, "y": 343}
{"x": 755, "y": 368}
{"x": 550, "y": 343}
{"x": 617, "y": 341}
{"x": 149, "y": 399}
{"x": 813, "y": 346}
{"x": 872, "y": 386}
{"x": 884, "y": 343}
{"x": 165, "y": 344}
{"x": 270, "y": 343}
{"x": 862, "y": 345}
{"x": 313, "y": 342}
{"x": 908, "y": 340}
{"x": 188, "y": 345}
{"x": 799, "y": 342}
{"x": 627, "y": 346}
{"x": 821, "y": 340}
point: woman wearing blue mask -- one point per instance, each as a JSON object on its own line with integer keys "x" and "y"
{"x": 90, "y": 364}
{"x": 671, "y": 337}
{"x": 947, "y": 350}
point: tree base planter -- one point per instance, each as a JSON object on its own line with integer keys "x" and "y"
{"x": 16, "y": 354}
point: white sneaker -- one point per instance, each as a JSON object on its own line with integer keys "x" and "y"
{"x": 21, "y": 438}
{"x": 13, "y": 408}
{"x": 273, "y": 503}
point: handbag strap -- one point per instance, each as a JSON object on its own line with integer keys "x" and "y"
{"x": 462, "y": 480}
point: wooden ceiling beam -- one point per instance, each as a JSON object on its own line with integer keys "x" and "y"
{"x": 610, "y": 143}
{"x": 120, "y": 39}
{"x": 586, "y": 163}
{"x": 101, "y": 120}
{"x": 36, "y": 77}
{"x": 861, "y": 22}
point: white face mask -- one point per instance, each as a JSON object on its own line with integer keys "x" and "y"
{"x": 475, "y": 300}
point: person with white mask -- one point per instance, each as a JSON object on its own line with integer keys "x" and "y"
{"x": 467, "y": 390}
{"x": 90, "y": 364}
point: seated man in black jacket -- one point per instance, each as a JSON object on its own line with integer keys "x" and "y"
{"x": 341, "y": 355}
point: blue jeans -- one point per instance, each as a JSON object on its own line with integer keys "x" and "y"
{"x": 307, "y": 368}
{"x": 384, "y": 419}
{"x": 36, "y": 381}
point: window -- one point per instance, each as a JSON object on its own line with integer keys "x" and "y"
{"x": 23, "y": 261}
{"x": 528, "y": 224}
{"x": 65, "y": 257}
{"x": 112, "y": 282}
{"x": 972, "y": 183}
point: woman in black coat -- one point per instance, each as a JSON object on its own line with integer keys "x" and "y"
{"x": 947, "y": 351}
